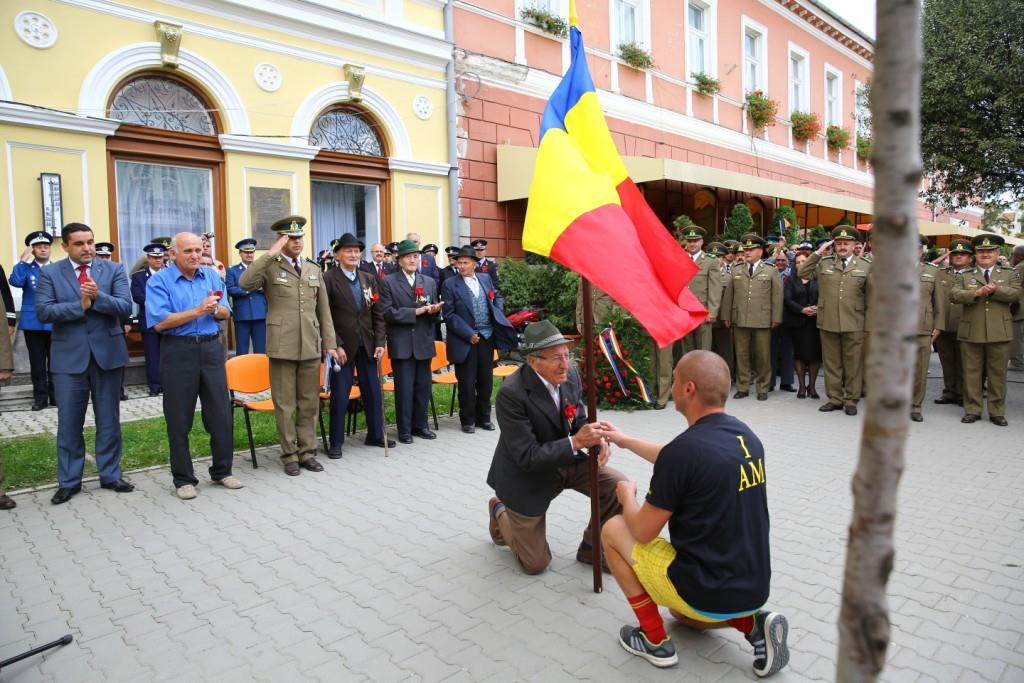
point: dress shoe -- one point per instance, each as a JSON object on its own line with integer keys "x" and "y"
{"x": 585, "y": 554}
{"x": 813, "y": 393}
{"x": 380, "y": 443}
{"x": 64, "y": 495}
{"x": 917, "y": 417}
{"x": 828, "y": 407}
{"x": 6, "y": 502}
{"x": 762, "y": 397}
{"x": 37, "y": 405}
{"x": 153, "y": 392}
{"x": 424, "y": 433}
{"x": 291, "y": 469}
{"x": 493, "y": 506}
{"x": 405, "y": 438}
{"x": 124, "y": 395}
{"x": 121, "y": 486}
{"x": 659, "y": 406}
{"x": 469, "y": 429}
{"x": 741, "y": 394}
{"x": 334, "y": 452}
{"x": 850, "y": 410}
{"x": 801, "y": 394}
{"x": 228, "y": 482}
{"x": 969, "y": 419}
{"x": 186, "y": 492}
{"x": 945, "y": 400}
{"x": 998, "y": 420}
{"x": 486, "y": 426}
{"x": 787, "y": 387}
{"x": 312, "y": 465}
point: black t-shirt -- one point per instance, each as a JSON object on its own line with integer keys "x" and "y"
{"x": 712, "y": 479}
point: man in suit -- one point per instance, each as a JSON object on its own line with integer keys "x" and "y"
{"x": 485, "y": 265}
{"x": 378, "y": 265}
{"x": 299, "y": 332}
{"x": 475, "y": 316}
{"x": 249, "y": 308}
{"x": 37, "y": 334}
{"x": 752, "y": 308}
{"x": 844, "y": 288}
{"x": 411, "y": 305}
{"x": 541, "y": 451}
{"x": 6, "y": 370}
{"x": 86, "y": 300}
{"x": 931, "y": 315}
{"x": 986, "y": 292}
{"x": 150, "y": 337}
{"x": 358, "y": 319}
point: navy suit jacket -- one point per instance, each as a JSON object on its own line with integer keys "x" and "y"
{"x": 77, "y": 333}
{"x": 245, "y": 305}
{"x": 458, "y": 316}
{"x": 138, "y": 289}
{"x": 409, "y": 335}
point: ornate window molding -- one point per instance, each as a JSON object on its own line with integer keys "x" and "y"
{"x": 157, "y": 101}
{"x": 346, "y": 130}
{"x": 393, "y": 133}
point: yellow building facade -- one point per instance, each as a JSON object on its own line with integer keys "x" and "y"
{"x": 146, "y": 118}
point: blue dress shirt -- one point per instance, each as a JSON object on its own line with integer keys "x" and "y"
{"x": 169, "y": 291}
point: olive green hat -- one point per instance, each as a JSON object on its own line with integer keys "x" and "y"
{"x": 290, "y": 225}
{"x": 987, "y": 241}
{"x": 961, "y": 247}
{"x": 541, "y": 335}
{"x": 845, "y": 232}
{"x": 694, "y": 232}
{"x": 753, "y": 241}
{"x": 716, "y": 249}
{"x": 406, "y": 247}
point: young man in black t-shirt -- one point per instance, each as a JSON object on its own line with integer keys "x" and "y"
{"x": 709, "y": 486}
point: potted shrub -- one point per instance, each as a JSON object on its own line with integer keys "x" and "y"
{"x": 706, "y": 85}
{"x": 838, "y": 138}
{"x": 635, "y": 56}
{"x": 761, "y": 109}
{"x": 545, "y": 21}
{"x": 863, "y": 147}
{"x": 806, "y": 125}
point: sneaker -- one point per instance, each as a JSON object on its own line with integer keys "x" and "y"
{"x": 769, "y": 640}
{"x": 632, "y": 639}
{"x": 186, "y": 492}
{"x": 229, "y": 482}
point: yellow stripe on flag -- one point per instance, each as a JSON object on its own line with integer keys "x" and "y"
{"x": 588, "y": 129}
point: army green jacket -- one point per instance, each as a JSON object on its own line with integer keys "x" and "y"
{"x": 706, "y": 285}
{"x": 753, "y": 302}
{"x": 842, "y": 292}
{"x": 986, "y": 319}
{"x": 953, "y": 310}
{"x": 934, "y": 298}
{"x": 299, "y": 325}
{"x": 1019, "y": 315}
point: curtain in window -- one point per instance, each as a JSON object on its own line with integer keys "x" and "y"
{"x": 344, "y": 207}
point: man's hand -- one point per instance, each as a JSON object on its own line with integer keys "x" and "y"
{"x": 5, "y": 375}
{"x": 341, "y": 356}
{"x": 808, "y": 310}
{"x": 276, "y": 247}
{"x": 985, "y": 290}
{"x": 611, "y": 433}
{"x": 333, "y": 353}
{"x": 378, "y": 352}
{"x": 475, "y": 339}
{"x": 625, "y": 492}
{"x": 209, "y": 305}
{"x": 127, "y": 329}
{"x": 27, "y": 256}
{"x": 935, "y": 335}
{"x": 90, "y": 289}
{"x": 774, "y": 325}
{"x": 86, "y": 303}
{"x": 604, "y": 452}
{"x": 823, "y": 248}
{"x": 434, "y": 308}
{"x": 589, "y": 435}
{"x": 728, "y": 323}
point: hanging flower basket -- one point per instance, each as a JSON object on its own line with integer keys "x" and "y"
{"x": 635, "y": 56}
{"x": 761, "y": 109}
{"x": 838, "y": 138}
{"x": 545, "y": 21}
{"x": 863, "y": 147}
{"x": 706, "y": 85}
{"x": 806, "y": 125}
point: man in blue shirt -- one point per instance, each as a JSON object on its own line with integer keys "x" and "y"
{"x": 184, "y": 303}
{"x": 37, "y": 334}
{"x": 250, "y": 308}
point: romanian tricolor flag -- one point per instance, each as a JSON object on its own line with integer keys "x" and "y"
{"x": 587, "y": 214}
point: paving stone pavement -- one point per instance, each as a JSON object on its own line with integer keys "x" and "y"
{"x": 382, "y": 569}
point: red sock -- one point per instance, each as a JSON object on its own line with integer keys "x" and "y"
{"x": 743, "y": 624}
{"x": 646, "y": 611}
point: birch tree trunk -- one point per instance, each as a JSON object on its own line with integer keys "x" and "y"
{"x": 895, "y": 106}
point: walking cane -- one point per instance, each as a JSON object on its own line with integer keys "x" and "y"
{"x": 383, "y": 414}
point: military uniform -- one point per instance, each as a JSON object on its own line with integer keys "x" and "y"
{"x": 1017, "y": 345}
{"x": 249, "y": 309}
{"x": 150, "y": 337}
{"x": 947, "y": 345}
{"x": 706, "y": 285}
{"x": 6, "y": 365}
{"x": 721, "y": 336}
{"x": 931, "y": 315}
{"x": 843, "y": 293}
{"x": 985, "y": 331}
{"x": 299, "y": 330}
{"x": 37, "y": 334}
{"x": 752, "y": 304}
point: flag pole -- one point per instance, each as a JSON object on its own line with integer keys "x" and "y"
{"x": 588, "y": 364}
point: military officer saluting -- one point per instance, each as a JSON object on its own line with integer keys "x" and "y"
{"x": 931, "y": 315}
{"x": 843, "y": 290}
{"x": 299, "y": 332}
{"x": 150, "y": 337}
{"x": 37, "y": 334}
{"x": 250, "y": 308}
{"x": 752, "y": 307}
{"x": 985, "y": 329}
{"x": 960, "y": 257}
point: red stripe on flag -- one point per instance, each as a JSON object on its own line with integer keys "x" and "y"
{"x": 656, "y": 241}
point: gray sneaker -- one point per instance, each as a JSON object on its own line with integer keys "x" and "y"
{"x": 632, "y": 639}
{"x": 769, "y": 640}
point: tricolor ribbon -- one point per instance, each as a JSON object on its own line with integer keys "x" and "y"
{"x": 613, "y": 354}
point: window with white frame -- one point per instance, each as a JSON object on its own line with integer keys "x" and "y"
{"x": 627, "y": 22}
{"x": 798, "y": 85}
{"x": 833, "y": 97}
{"x": 697, "y": 37}
{"x": 753, "y": 59}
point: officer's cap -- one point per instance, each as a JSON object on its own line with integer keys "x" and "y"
{"x": 478, "y": 244}
{"x": 987, "y": 241}
{"x": 104, "y": 248}
{"x": 38, "y": 237}
{"x": 290, "y": 226}
{"x": 166, "y": 241}
{"x": 716, "y": 249}
{"x": 752, "y": 241}
{"x": 805, "y": 246}
{"x": 154, "y": 250}
{"x": 429, "y": 249}
{"x": 247, "y": 245}
{"x": 845, "y": 232}
{"x": 960, "y": 247}
{"x": 452, "y": 251}
{"x": 694, "y": 232}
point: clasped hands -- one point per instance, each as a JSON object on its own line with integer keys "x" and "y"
{"x": 985, "y": 290}
{"x": 429, "y": 309}
{"x": 90, "y": 290}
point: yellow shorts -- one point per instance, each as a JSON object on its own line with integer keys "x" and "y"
{"x": 650, "y": 562}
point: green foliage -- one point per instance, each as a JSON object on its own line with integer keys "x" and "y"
{"x": 787, "y": 213}
{"x": 761, "y": 109}
{"x": 993, "y": 220}
{"x": 539, "y": 281}
{"x": 845, "y": 220}
{"x": 635, "y": 56}
{"x": 838, "y": 138}
{"x": 637, "y": 347}
{"x": 863, "y": 148}
{"x": 545, "y": 20}
{"x": 706, "y": 85}
{"x": 739, "y": 223}
{"x": 972, "y": 101}
{"x": 806, "y": 125}
{"x": 818, "y": 232}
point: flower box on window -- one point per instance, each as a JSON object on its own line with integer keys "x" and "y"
{"x": 635, "y": 56}
{"x": 761, "y": 109}
{"x": 806, "y": 125}
{"x": 545, "y": 20}
{"x": 706, "y": 85}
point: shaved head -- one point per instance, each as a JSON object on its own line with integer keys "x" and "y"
{"x": 709, "y": 375}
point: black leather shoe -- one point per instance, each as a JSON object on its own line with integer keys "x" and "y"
{"x": 969, "y": 419}
{"x": 6, "y": 502}
{"x": 828, "y": 407}
{"x": 999, "y": 420}
{"x": 916, "y": 417}
{"x": 741, "y": 394}
{"x": 850, "y": 410}
{"x": 124, "y": 396}
{"x": 762, "y": 397}
{"x": 787, "y": 387}
{"x": 37, "y": 405}
{"x": 486, "y": 426}
{"x": 312, "y": 465}
{"x": 469, "y": 429}
{"x": 292, "y": 469}
{"x": 405, "y": 438}
{"x": 659, "y": 406}
{"x": 380, "y": 443}
{"x": 334, "y": 452}
{"x": 154, "y": 392}
{"x": 64, "y": 495}
{"x": 945, "y": 400}
{"x": 424, "y": 433}
{"x": 120, "y": 486}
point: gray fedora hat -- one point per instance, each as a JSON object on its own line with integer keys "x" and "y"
{"x": 542, "y": 335}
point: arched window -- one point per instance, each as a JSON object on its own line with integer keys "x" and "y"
{"x": 756, "y": 207}
{"x": 158, "y": 101}
{"x": 703, "y": 214}
{"x": 346, "y": 130}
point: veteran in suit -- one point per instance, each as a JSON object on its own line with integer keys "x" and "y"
{"x": 37, "y": 335}
{"x": 844, "y": 287}
{"x": 752, "y": 308}
{"x": 6, "y": 370}
{"x": 250, "y": 308}
{"x": 411, "y": 306}
{"x": 960, "y": 257}
{"x": 85, "y": 299}
{"x": 986, "y": 328}
{"x": 931, "y": 315}
{"x": 150, "y": 337}
{"x": 474, "y": 313}
{"x": 541, "y": 452}
{"x": 299, "y": 333}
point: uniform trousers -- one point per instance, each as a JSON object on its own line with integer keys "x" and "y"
{"x": 295, "y": 389}
{"x": 73, "y": 391}
{"x": 476, "y": 383}
{"x": 983, "y": 361}
{"x": 698, "y": 340}
{"x": 254, "y": 331}
{"x": 151, "y": 350}
{"x": 362, "y": 368}
{"x": 1017, "y": 344}
{"x": 952, "y": 370}
{"x": 37, "y": 343}
{"x": 753, "y": 358}
{"x": 198, "y": 372}
{"x": 721, "y": 343}
{"x": 664, "y": 362}
{"x": 412, "y": 393}
{"x": 842, "y": 354}
{"x": 924, "y": 354}
{"x": 526, "y": 536}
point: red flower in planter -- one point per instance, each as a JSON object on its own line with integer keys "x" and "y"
{"x": 570, "y": 412}
{"x": 490, "y": 294}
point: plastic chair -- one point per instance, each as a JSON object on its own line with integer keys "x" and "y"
{"x": 447, "y": 378}
{"x": 504, "y": 371}
{"x": 249, "y": 374}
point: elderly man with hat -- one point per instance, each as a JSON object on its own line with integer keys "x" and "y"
{"x": 844, "y": 287}
{"x": 411, "y": 305}
{"x": 931, "y": 316}
{"x": 986, "y": 292}
{"x": 541, "y": 451}
{"x": 150, "y": 336}
{"x": 475, "y": 317}
{"x": 250, "y": 307}
{"x": 37, "y": 334}
{"x": 358, "y": 318}
{"x": 752, "y": 307}
{"x": 299, "y": 332}
{"x": 960, "y": 257}
{"x": 485, "y": 264}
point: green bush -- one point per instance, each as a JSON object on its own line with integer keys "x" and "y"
{"x": 792, "y": 232}
{"x": 739, "y": 223}
{"x": 637, "y": 347}
{"x": 538, "y": 281}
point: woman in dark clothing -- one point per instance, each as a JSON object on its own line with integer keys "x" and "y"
{"x": 799, "y": 313}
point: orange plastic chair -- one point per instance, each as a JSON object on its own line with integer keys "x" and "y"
{"x": 249, "y": 374}
{"x": 447, "y": 378}
{"x": 503, "y": 371}
{"x": 354, "y": 395}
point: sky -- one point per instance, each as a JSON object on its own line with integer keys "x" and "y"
{"x": 858, "y": 13}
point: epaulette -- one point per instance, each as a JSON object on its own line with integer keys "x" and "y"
{"x": 865, "y": 257}
{"x": 970, "y": 269}
{"x": 929, "y": 264}
{"x": 829, "y": 256}
{"x": 309, "y": 260}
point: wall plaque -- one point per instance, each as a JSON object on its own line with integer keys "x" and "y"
{"x": 266, "y": 205}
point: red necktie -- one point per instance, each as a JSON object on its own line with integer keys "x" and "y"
{"x": 83, "y": 274}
